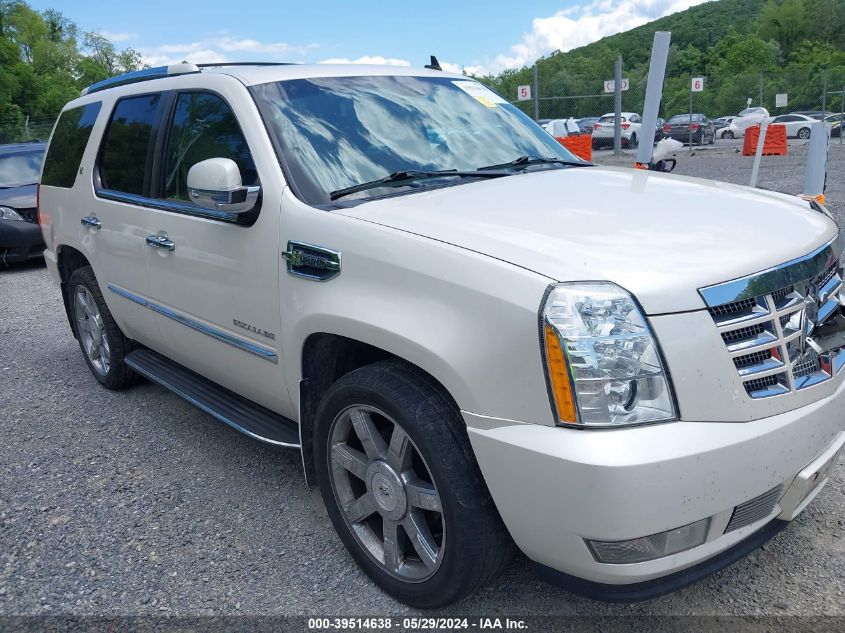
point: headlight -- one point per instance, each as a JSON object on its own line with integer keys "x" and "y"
{"x": 7, "y": 213}
{"x": 603, "y": 363}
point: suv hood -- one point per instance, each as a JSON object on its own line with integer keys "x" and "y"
{"x": 661, "y": 237}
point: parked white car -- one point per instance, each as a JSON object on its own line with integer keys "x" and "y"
{"x": 603, "y": 130}
{"x": 797, "y": 125}
{"x": 376, "y": 266}
{"x": 744, "y": 120}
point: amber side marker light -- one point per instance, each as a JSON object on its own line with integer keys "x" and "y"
{"x": 559, "y": 378}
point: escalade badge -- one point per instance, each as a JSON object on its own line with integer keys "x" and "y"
{"x": 311, "y": 261}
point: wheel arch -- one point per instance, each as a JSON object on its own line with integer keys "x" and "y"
{"x": 69, "y": 259}
{"x": 325, "y": 358}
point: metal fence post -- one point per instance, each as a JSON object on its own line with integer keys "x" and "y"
{"x": 654, "y": 93}
{"x": 761, "y": 88}
{"x": 536, "y": 93}
{"x": 617, "y": 107}
{"x": 824, "y": 91}
{"x": 26, "y": 128}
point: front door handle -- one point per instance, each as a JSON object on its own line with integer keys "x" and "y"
{"x": 161, "y": 241}
{"x": 90, "y": 220}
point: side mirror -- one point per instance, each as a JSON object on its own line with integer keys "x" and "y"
{"x": 215, "y": 184}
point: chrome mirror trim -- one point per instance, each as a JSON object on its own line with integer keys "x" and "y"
{"x": 236, "y": 200}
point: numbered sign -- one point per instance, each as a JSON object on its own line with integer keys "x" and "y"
{"x": 523, "y": 93}
{"x": 697, "y": 84}
{"x": 609, "y": 85}
{"x": 781, "y": 100}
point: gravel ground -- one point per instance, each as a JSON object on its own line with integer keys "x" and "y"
{"x": 136, "y": 503}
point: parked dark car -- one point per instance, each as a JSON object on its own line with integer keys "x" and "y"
{"x": 680, "y": 126}
{"x": 20, "y": 234}
{"x": 586, "y": 124}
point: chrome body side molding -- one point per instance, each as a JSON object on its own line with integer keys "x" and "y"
{"x": 262, "y": 351}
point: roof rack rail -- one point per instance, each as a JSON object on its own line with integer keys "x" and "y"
{"x": 224, "y": 64}
{"x": 142, "y": 75}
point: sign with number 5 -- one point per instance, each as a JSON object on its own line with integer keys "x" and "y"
{"x": 523, "y": 93}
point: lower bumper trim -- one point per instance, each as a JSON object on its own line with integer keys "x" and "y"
{"x": 648, "y": 589}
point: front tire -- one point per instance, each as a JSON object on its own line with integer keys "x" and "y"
{"x": 402, "y": 488}
{"x": 102, "y": 343}
{"x": 728, "y": 135}
{"x": 804, "y": 133}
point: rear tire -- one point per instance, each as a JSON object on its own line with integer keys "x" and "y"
{"x": 371, "y": 482}
{"x": 102, "y": 343}
{"x": 804, "y": 133}
{"x": 633, "y": 142}
{"x": 728, "y": 135}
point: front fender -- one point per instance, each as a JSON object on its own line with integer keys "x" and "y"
{"x": 469, "y": 320}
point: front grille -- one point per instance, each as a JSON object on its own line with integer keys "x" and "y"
{"x": 752, "y": 359}
{"x": 754, "y": 509}
{"x": 771, "y": 337}
{"x": 761, "y": 384}
{"x": 30, "y": 215}
{"x": 743, "y": 333}
{"x": 731, "y": 309}
{"x": 808, "y": 365}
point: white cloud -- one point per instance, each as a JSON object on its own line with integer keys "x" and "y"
{"x": 118, "y": 37}
{"x": 368, "y": 59}
{"x": 578, "y": 26}
{"x": 222, "y": 48}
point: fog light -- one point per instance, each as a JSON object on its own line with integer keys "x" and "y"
{"x": 650, "y": 547}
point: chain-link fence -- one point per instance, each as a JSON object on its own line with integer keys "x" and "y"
{"x": 27, "y": 130}
{"x": 562, "y": 95}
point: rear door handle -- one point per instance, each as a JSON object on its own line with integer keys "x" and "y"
{"x": 90, "y": 220}
{"x": 161, "y": 241}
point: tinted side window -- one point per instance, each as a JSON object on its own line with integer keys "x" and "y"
{"x": 129, "y": 144}
{"x": 203, "y": 127}
{"x": 68, "y": 144}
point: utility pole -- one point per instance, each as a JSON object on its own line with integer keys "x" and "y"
{"x": 617, "y": 107}
{"x": 536, "y": 92}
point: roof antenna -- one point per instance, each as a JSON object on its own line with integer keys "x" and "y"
{"x": 434, "y": 65}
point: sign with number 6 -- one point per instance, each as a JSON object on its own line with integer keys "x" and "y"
{"x": 697, "y": 84}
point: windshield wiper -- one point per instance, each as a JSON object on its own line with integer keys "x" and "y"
{"x": 524, "y": 161}
{"x": 399, "y": 178}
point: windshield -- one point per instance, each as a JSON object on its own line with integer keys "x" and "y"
{"x": 338, "y": 132}
{"x": 20, "y": 168}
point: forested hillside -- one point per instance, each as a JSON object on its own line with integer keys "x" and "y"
{"x": 742, "y": 47}
{"x": 45, "y": 60}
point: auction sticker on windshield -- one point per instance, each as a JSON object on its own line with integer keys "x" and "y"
{"x": 480, "y": 93}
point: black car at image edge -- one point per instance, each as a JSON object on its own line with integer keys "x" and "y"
{"x": 20, "y": 234}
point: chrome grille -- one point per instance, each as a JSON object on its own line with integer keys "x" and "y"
{"x": 784, "y": 328}
{"x": 754, "y": 509}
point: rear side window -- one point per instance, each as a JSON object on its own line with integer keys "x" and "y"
{"x": 203, "y": 127}
{"x": 129, "y": 145}
{"x": 68, "y": 144}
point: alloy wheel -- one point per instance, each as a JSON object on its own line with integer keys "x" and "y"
{"x": 92, "y": 330}
{"x": 386, "y": 493}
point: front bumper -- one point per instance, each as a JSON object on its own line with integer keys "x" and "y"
{"x": 555, "y": 487}
{"x": 19, "y": 241}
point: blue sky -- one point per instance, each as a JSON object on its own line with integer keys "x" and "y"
{"x": 479, "y": 36}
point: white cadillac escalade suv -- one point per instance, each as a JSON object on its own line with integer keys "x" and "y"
{"x": 474, "y": 338}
